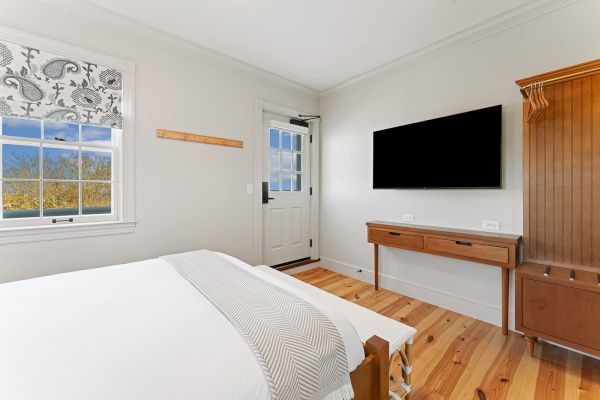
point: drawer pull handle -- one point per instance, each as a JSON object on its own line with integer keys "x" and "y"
{"x": 547, "y": 271}
{"x": 464, "y": 243}
{"x": 395, "y": 233}
{"x": 572, "y": 275}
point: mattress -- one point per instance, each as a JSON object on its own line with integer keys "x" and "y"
{"x": 132, "y": 331}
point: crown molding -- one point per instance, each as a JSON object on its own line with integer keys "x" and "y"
{"x": 173, "y": 43}
{"x": 512, "y": 18}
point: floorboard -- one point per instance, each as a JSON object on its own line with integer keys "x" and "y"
{"x": 457, "y": 357}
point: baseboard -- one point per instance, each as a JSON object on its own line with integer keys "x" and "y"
{"x": 468, "y": 306}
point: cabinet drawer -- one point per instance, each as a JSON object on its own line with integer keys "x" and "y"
{"x": 468, "y": 249}
{"x": 398, "y": 239}
{"x": 561, "y": 311}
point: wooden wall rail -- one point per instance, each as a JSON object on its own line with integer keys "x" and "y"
{"x": 190, "y": 137}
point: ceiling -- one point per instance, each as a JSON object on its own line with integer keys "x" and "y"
{"x": 316, "y": 43}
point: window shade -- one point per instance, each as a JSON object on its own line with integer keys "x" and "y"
{"x": 41, "y": 85}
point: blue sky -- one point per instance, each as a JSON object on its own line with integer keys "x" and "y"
{"x": 61, "y": 130}
{"x": 22, "y": 128}
{"x": 30, "y": 128}
{"x": 10, "y": 154}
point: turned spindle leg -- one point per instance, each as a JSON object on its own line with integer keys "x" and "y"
{"x": 531, "y": 341}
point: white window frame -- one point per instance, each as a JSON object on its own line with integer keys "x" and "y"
{"x": 123, "y": 220}
{"x": 115, "y": 149}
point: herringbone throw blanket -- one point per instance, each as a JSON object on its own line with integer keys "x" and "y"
{"x": 299, "y": 349}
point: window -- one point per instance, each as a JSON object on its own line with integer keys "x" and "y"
{"x": 286, "y": 158}
{"x": 66, "y": 141}
{"x": 56, "y": 171}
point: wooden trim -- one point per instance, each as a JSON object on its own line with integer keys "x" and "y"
{"x": 563, "y": 74}
{"x": 191, "y": 137}
{"x": 562, "y": 265}
{"x": 370, "y": 379}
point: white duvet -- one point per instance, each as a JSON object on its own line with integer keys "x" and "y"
{"x": 128, "y": 332}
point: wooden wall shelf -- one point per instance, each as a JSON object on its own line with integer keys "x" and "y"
{"x": 498, "y": 249}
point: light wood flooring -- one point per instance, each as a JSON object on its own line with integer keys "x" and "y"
{"x": 457, "y": 357}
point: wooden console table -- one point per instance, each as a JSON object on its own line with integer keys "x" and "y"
{"x": 498, "y": 249}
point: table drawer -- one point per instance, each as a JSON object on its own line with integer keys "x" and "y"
{"x": 397, "y": 239}
{"x": 468, "y": 249}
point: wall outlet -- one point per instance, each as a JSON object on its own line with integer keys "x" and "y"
{"x": 408, "y": 218}
{"x": 491, "y": 225}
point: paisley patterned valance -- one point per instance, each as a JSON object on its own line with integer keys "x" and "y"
{"x": 41, "y": 85}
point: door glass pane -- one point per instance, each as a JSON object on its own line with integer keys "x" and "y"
{"x": 286, "y": 182}
{"x": 61, "y": 131}
{"x": 21, "y": 162}
{"x": 29, "y": 128}
{"x": 96, "y": 198}
{"x": 61, "y": 198}
{"x": 297, "y": 182}
{"x": 274, "y": 182}
{"x": 274, "y": 138}
{"x": 96, "y": 134}
{"x": 297, "y": 142}
{"x": 61, "y": 163}
{"x": 20, "y": 199}
{"x": 286, "y": 161}
{"x": 96, "y": 165}
{"x": 274, "y": 159}
{"x": 297, "y": 162}
{"x": 286, "y": 140}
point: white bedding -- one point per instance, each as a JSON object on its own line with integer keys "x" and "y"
{"x": 132, "y": 331}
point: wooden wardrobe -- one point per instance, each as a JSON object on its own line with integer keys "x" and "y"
{"x": 558, "y": 285}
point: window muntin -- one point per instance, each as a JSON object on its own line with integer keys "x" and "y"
{"x": 51, "y": 169}
{"x": 286, "y": 158}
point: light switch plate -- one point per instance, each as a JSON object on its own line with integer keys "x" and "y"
{"x": 408, "y": 218}
{"x": 491, "y": 225}
{"x": 249, "y": 188}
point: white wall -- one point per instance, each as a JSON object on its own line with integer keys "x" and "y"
{"x": 478, "y": 75}
{"x": 189, "y": 196}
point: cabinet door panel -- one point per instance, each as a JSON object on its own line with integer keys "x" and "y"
{"x": 564, "y": 312}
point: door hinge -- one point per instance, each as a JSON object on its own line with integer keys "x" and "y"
{"x": 310, "y": 242}
{"x": 311, "y": 190}
{"x": 311, "y": 138}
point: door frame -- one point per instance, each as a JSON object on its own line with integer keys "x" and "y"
{"x": 261, "y": 107}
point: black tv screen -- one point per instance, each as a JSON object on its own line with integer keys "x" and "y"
{"x": 458, "y": 151}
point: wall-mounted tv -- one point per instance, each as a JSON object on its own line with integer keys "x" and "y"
{"x": 459, "y": 151}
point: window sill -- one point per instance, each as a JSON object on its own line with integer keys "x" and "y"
{"x": 44, "y": 233}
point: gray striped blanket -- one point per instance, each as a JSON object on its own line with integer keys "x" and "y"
{"x": 298, "y": 348}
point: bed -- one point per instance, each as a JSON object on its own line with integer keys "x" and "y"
{"x": 140, "y": 331}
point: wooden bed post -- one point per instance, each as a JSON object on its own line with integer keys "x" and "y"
{"x": 371, "y": 380}
{"x": 381, "y": 349}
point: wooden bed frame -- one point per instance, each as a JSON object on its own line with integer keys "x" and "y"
{"x": 371, "y": 379}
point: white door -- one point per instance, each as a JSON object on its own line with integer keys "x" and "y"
{"x": 286, "y": 215}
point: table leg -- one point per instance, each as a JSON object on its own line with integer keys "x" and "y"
{"x": 505, "y": 301}
{"x": 376, "y": 250}
{"x": 531, "y": 341}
